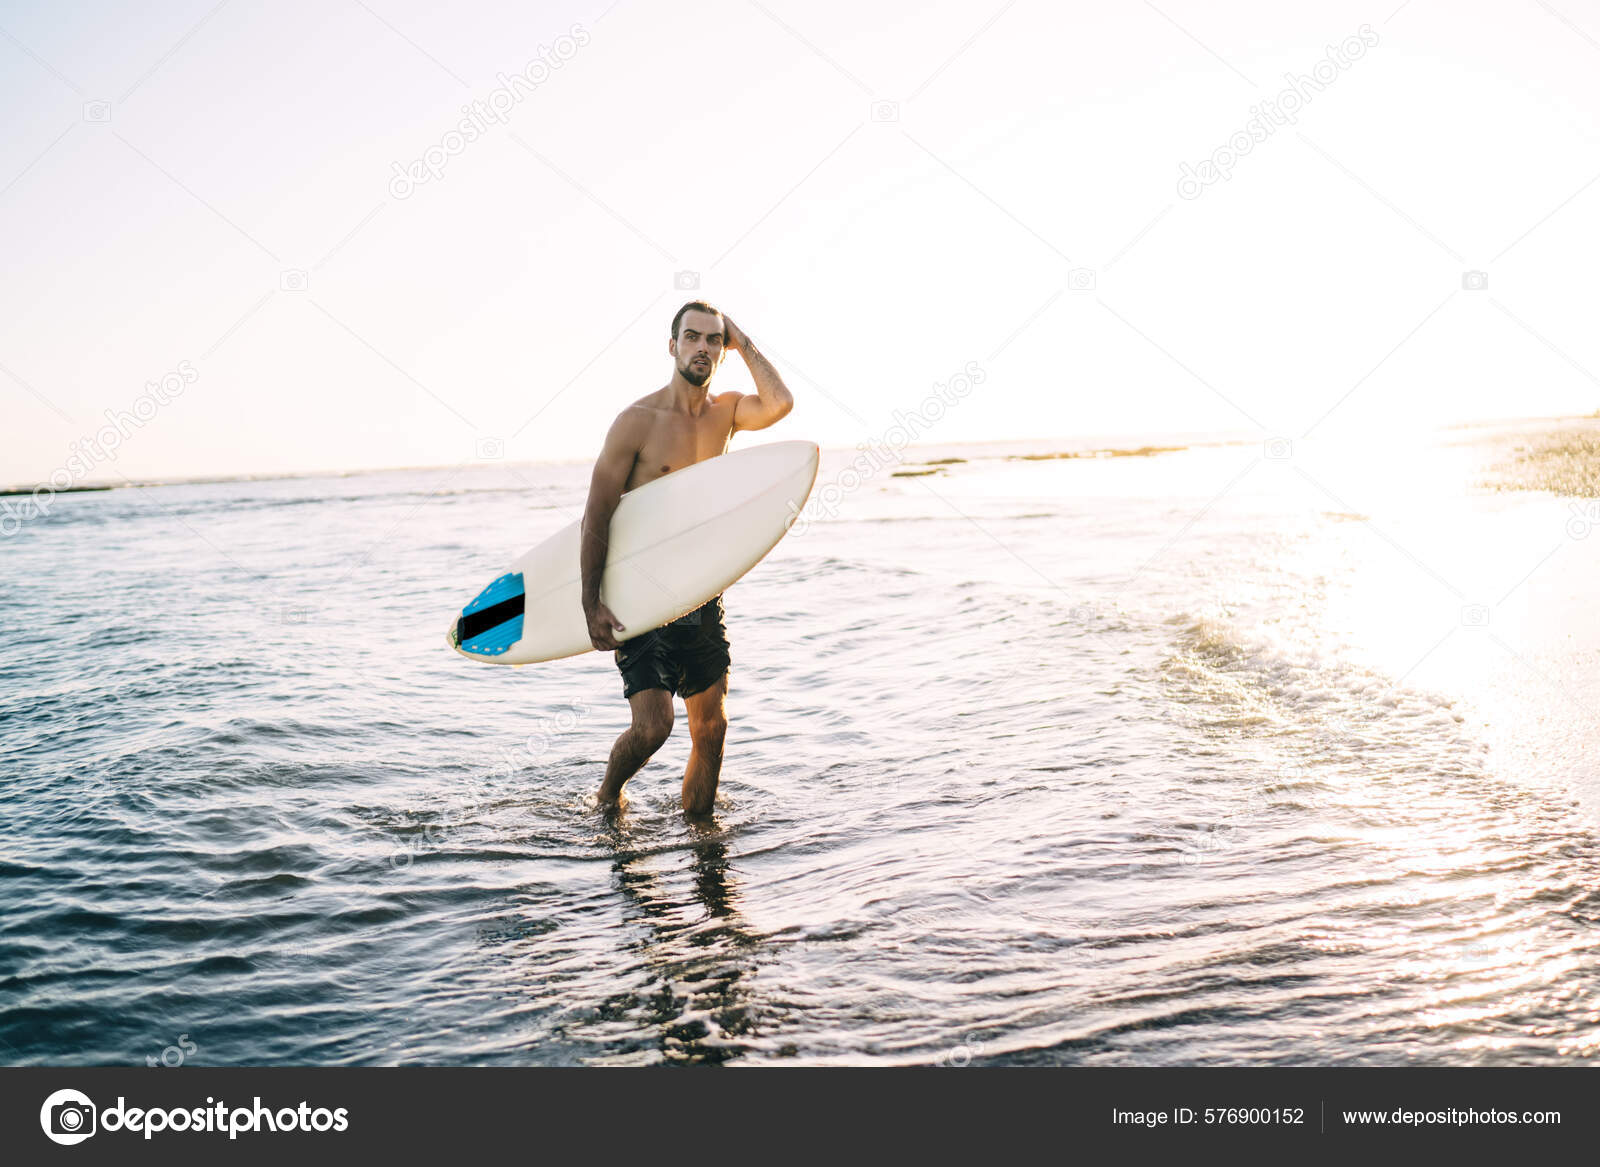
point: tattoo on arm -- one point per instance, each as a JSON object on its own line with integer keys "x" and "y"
{"x": 774, "y": 394}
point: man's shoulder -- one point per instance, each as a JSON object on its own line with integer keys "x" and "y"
{"x": 637, "y": 415}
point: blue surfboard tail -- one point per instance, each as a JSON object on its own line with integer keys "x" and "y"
{"x": 492, "y": 623}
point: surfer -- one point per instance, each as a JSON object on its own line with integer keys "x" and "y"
{"x": 676, "y": 426}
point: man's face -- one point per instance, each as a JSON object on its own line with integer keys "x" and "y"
{"x": 697, "y": 349}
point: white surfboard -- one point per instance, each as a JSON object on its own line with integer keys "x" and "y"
{"x": 675, "y": 543}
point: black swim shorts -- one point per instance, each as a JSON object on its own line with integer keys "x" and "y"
{"x": 685, "y": 657}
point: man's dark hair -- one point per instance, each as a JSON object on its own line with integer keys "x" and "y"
{"x": 691, "y": 306}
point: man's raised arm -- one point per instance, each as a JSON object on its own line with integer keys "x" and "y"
{"x": 772, "y": 400}
{"x": 611, "y": 472}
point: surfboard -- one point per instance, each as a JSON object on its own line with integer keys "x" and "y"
{"x": 675, "y": 542}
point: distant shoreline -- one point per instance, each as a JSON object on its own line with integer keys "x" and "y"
{"x": 1561, "y": 458}
{"x": 12, "y": 491}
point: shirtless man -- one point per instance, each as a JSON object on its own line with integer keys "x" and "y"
{"x": 676, "y": 426}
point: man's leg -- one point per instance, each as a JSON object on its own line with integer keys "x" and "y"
{"x": 708, "y": 725}
{"x": 652, "y": 723}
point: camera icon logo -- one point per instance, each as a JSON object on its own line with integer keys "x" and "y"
{"x": 68, "y": 1117}
{"x": 293, "y": 280}
{"x": 1081, "y": 279}
{"x": 1475, "y": 281}
{"x": 97, "y": 111}
{"x": 490, "y": 449}
{"x": 1278, "y": 449}
{"x": 885, "y": 111}
{"x": 686, "y": 281}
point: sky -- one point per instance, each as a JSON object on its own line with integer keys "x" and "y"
{"x": 1116, "y": 219}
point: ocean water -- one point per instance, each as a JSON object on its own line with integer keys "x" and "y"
{"x": 1226, "y": 754}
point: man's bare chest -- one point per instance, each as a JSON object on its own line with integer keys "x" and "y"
{"x": 676, "y": 441}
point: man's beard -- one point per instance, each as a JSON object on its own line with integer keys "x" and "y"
{"x": 692, "y": 375}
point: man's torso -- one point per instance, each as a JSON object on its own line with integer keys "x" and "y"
{"x": 675, "y": 439}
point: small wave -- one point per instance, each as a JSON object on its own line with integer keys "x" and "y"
{"x": 1216, "y": 663}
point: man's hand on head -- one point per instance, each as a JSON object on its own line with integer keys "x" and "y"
{"x": 736, "y": 337}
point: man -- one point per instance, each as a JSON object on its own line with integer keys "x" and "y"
{"x": 674, "y": 427}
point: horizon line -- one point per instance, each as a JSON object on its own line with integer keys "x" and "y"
{"x": 1221, "y": 435}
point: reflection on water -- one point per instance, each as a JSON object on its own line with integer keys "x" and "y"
{"x": 699, "y": 955}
